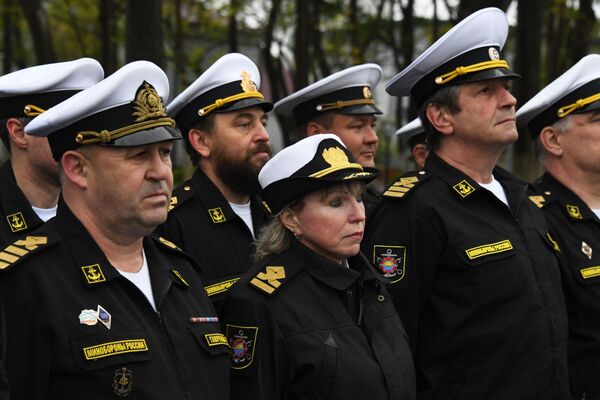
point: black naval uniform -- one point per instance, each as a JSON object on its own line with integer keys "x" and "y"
{"x": 370, "y": 200}
{"x": 477, "y": 285}
{"x": 18, "y": 217}
{"x": 3, "y": 378}
{"x": 202, "y": 223}
{"x": 302, "y": 327}
{"x": 78, "y": 329}
{"x": 578, "y": 232}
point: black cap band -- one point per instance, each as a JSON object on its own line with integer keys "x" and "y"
{"x": 15, "y": 106}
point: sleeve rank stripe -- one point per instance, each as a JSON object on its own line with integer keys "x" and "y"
{"x": 4, "y": 256}
{"x": 399, "y": 189}
{"x": 16, "y": 250}
{"x": 262, "y": 286}
{"x": 389, "y": 193}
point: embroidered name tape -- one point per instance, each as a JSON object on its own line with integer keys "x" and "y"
{"x": 590, "y": 272}
{"x": 220, "y": 287}
{"x": 488, "y": 249}
{"x": 114, "y": 348}
{"x": 216, "y": 339}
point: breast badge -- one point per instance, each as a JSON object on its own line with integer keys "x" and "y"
{"x": 390, "y": 260}
{"x": 586, "y": 249}
{"x": 122, "y": 382}
{"x": 242, "y": 340}
{"x": 91, "y": 317}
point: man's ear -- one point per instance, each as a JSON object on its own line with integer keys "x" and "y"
{"x": 16, "y": 133}
{"x": 420, "y": 153}
{"x": 75, "y": 168}
{"x": 200, "y": 141}
{"x": 440, "y": 118}
{"x": 550, "y": 139}
{"x": 314, "y": 128}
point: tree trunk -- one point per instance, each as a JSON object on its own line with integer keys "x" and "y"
{"x": 8, "y": 15}
{"x": 582, "y": 32}
{"x": 302, "y": 55}
{"x": 232, "y": 26}
{"x": 108, "y": 36}
{"x": 37, "y": 20}
{"x": 144, "y": 31}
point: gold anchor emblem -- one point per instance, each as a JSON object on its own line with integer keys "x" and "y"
{"x": 216, "y": 214}
{"x": 16, "y": 222}
{"x": 93, "y": 273}
{"x": 247, "y": 84}
{"x": 574, "y": 212}
{"x": 463, "y": 188}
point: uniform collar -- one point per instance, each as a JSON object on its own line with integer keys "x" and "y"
{"x": 218, "y": 209}
{"x": 324, "y": 270}
{"x": 570, "y": 204}
{"x": 465, "y": 188}
{"x": 19, "y": 217}
{"x": 92, "y": 265}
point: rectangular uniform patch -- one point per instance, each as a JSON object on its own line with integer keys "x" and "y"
{"x": 114, "y": 348}
{"x": 220, "y": 287}
{"x": 215, "y": 339}
{"x": 590, "y": 272}
{"x": 487, "y": 249}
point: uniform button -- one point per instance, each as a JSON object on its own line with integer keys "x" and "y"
{"x": 547, "y": 193}
{"x": 421, "y": 172}
{"x": 381, "y": 297}
{"x": 350, "y": 292}
{"x": 186, "y": 188}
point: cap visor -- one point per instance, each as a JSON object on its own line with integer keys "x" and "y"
{"x": 360, "y": 109}
{"x": 148, "y": 136}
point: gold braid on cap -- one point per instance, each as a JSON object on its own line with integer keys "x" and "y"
{"x": 482, "y": 66}
{"x": 221, "y": 102}
{"x": 104, "y": 136}
{"x": 568, "y": 109}
{"x": 342, "y": 104}
{"x": 32, "y": 111}
{"x": 147, "y": 107}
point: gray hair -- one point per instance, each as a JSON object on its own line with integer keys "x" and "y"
{"x": 445, "y": 97}
{"x": 561, "y": 126}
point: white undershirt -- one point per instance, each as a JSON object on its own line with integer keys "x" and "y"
{"x": 597, "y": 212}
{"x": 495, "y": 187}
{"x": 141, "y": 279}
{"x": 45, "y": 213}
{"x": 244, "y": 212}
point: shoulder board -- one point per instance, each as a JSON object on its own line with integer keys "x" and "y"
{"x": 406, "y": 184}
{"x": 538, "y": 200}
{"x": 270, "y": 279}
{"x": 167, "y": 243}
{"x": 181, "y": 194}
{"x": 12, "y": 254}
{"x": 164, "y": 243}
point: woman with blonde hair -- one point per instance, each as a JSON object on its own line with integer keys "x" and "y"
{"x": 312, "y": 318}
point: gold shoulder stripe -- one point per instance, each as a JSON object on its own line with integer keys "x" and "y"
{"x": 13, "y": 253}
{"x": 538, "y": 200}
{"x": 168, "y": 243}
{"x": 173, "y": 203}
{"x": 402, "y": 186}
{"x": 269, "y": 280}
